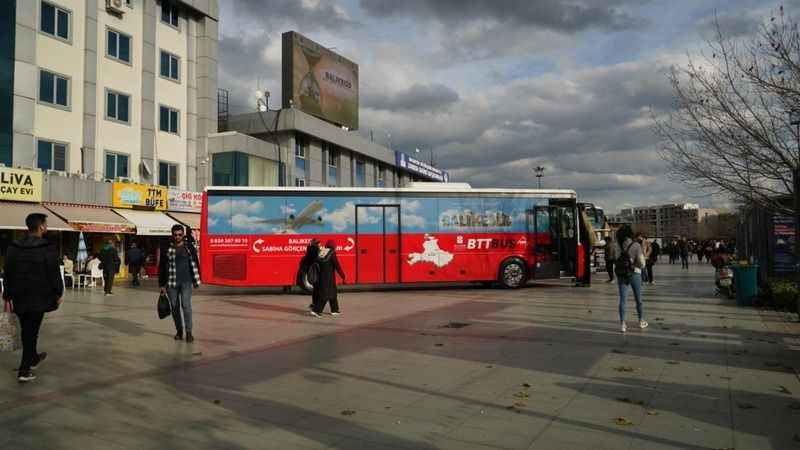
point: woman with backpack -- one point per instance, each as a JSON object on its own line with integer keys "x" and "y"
{"x": 324, "y": 270}
{"x": 628, "y": 268}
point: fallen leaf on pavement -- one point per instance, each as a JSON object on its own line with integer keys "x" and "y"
{"x": 522, "y": 395}
{"x": 348, "y": 412}
{"x": 623, "y": 421}
{"x": 526, "y": 385}
{"x": 621, "y": 352}
{"x": 624, "y": 369}
{"x": 650, "y": 412}
{"x": 783, "y": 390}
{"x": 520, "y": 404}
{"x": 632, "y": 402}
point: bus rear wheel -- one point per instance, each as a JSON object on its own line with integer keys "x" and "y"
{"x": 513, "y": 274}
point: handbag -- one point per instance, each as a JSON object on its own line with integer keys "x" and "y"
{"x": 9, "y": 330}
{"x": 164, "y": 306}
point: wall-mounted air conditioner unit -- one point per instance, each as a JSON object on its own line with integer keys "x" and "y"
{"x": 59, "y": 173}
{"x": 115, "y": 6}
{"x": 124, "y": 180}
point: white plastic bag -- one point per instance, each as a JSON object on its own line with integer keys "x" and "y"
{"x": 9, "y": 331}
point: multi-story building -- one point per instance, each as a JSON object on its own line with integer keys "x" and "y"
{"x": 665, "y": 221}
{"x": 108, "y": 89}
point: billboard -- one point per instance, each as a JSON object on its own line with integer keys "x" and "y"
{"x": 421, "y": 168}
{"x": 319, "y": 81}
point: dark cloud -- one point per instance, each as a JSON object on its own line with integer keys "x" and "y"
{"x": 306, "y": 15}
{"x": 418, "y": 98}
{"x": 243, "y": 67}
{"x": 561, "y": 15}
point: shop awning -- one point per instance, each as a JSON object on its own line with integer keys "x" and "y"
{"x": 91, "y": 219}
{"x": 191, "y": 220}
{"x": 13, "y": 214}
{"x": 148, "y": 223}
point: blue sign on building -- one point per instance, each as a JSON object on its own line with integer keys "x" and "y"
{"x": 420, "y": 168}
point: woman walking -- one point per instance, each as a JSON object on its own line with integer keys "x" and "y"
{"x": 629, "y": 272}
{"x": 325, "y": 287}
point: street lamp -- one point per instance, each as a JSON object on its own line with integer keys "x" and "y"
{"x": 539, "y": 174}
{"x": 262, "y": 106}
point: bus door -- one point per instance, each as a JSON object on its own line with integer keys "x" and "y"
{"x": 377, "y": 244}
{"x": 554, "y": 240}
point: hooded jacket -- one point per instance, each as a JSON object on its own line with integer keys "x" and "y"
{"x": 32, "y": 276}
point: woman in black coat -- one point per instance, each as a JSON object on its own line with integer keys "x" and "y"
{"x": 325, "y": 288}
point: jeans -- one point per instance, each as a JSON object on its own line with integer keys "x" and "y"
{"x": 180, "y": 299}
{"x": 636, "y": 285}
{"x": 108, "y": 282}
{"x": 684, "y": 262}
{"x": 30, "y": 322}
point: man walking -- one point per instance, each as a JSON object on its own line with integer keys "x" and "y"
{"x": 33, "y": 287}
{"x": 610, "y": 255}
{"x": 135, "y": 260}
{"x": 655, "y": 251}
{"x": 178, "y": 273}
{"x": 109, "y": 264}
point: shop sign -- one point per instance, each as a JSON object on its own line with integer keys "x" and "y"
{"x": 145, "y": 196}
{"x": 103, "y": 228}
{"x": 185, "y": 201}
{"x": 20, "y": 185}
{"x": 421, "y": 168}
{"x": 783, "y": 240}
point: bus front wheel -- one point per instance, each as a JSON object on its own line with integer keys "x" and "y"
{"x": 513, "y": 274}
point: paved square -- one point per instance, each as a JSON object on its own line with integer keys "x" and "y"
{"x": 538, "y": 368}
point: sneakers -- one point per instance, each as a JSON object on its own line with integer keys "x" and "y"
{"x": 42, "y": 357}
{"x": 643, "y": 324}
{"x": 26, "y": 376}
{"x": 335, "y": 313}
{"x": 189, "y": 337}
{"x": 623, "y": 328}
{"x": 314, "y": 313}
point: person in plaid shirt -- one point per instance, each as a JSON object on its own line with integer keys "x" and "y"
{"x": 178, "y": 273}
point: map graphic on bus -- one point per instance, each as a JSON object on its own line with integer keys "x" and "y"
{"x": 432, "y": 254}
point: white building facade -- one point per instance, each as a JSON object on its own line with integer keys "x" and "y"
{"x": 114, "y": 89}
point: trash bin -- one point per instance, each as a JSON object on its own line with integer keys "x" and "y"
{"x": 746, "y": 279}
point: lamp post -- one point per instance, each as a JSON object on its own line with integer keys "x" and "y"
{"x": 539, "y": 174}
{"x": 262, "y": 106}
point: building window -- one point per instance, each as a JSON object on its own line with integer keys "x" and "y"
{"x": 118, "y": 46}
{"x": 117, "y": 107}
{"x": 167, "y": 174}
{"x": 169, "y": 13}
{"x": 360, "y": 174}
{"x": 168, "y": 119}
{"x": 333, "y": 167}
{"x": 55, "y": 21}
{"x": 230, "y": 169}
{"x": 116, "y": 166}
{"x": 53, "y": 89}
{"x": 300, "y": 152}
{"x": 51, "y": 156}
{"x": 380, "y": 177}
{"x": 170, "y": 66}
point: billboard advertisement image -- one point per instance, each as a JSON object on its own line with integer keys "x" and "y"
{"x": 319, "y": 81}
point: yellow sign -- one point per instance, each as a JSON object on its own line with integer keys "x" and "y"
{"x": 20, "y": 185}
{"x": 132, "y": 195}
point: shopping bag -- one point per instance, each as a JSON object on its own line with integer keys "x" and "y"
{"x": 9, "y": 330}
{"x": 164, "y": 307}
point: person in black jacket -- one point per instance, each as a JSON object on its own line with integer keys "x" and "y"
{"x": 109, "y": 264}
{"x": 312, "y": 250}
{"x": 178, "y": 272}
{"x": 134, "y": 259}
{"x": 325, "y": 288}
{"x": 33, "y": 287}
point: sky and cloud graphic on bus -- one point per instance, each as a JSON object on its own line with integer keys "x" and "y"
{"x": 332, "y": 215}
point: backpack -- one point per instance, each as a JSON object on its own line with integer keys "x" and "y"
{"x": 312, "y": 274}
{"x": 623, "y": 266}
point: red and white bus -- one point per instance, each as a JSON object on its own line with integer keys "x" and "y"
{"x": 429, "y": 232}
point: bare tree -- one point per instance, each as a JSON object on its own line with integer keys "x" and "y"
{"x": 733, "y": 131}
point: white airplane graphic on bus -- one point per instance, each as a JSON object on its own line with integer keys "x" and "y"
{"x": 293, "y": 223}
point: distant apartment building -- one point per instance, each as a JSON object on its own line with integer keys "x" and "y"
{"x": 108, "y": 89}
{"x": 665, "y": 221}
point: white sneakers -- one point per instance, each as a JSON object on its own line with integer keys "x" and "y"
{"x": 314, "y": 314}
{"x": 642, "y": 324}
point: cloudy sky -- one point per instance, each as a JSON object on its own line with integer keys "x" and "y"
{"x": 497, "y": 87}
